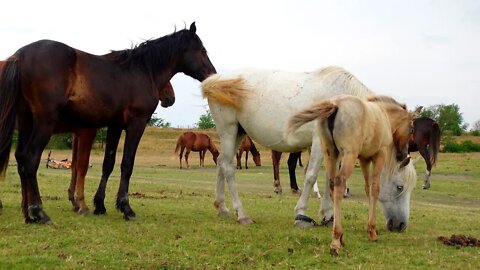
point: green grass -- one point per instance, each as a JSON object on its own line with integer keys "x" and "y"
{"x": 177, "y": 226}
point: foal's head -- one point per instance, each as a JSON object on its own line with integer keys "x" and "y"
{"x": 401, "y": 122}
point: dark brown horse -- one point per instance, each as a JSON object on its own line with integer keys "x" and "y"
{"x": 197, "y": 142}
{"x": 47, "y": 83}
{"x": 293, "y": 158}
{"x": 248, "y": 146}
{"x": 426, "y": 140}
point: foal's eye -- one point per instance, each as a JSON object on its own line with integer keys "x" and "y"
{"x": 399, "y": 188}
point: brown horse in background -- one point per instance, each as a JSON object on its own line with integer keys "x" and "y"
{"x": 82, "y": 142}
{"x": 197, "y": 142}
{"x": 426, "y": 140}
{"x": 293, "y": 158}
{"x": 248, "y": 146}
{"x": 47, "y": 83}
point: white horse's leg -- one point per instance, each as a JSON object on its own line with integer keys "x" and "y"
{"x": 316, "y": 157}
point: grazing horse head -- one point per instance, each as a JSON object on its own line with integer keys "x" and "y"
{"x": 396, "y": 187}
{"x": 215, "y": 153}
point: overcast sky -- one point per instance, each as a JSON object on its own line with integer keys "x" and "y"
{"x": 420, "y": 52}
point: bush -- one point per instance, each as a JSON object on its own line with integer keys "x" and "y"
{"x": 475, "y": 133}
{"x": 463, "y": 147}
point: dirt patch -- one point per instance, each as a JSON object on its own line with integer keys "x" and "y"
{"x": 460, "y": 240}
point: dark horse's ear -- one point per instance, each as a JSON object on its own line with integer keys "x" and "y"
{"x": 193, "y": 28}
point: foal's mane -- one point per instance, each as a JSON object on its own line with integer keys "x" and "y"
{"x": 387, "y": 100}
{"x": 154, "y": 54}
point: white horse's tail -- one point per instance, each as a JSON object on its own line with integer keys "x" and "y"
{"x": 229, "y": 92}
{"x": 320, "y": 110}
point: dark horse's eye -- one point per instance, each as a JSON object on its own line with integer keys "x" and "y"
{"x": 400, "y": 188}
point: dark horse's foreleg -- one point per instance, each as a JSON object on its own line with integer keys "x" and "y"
{"x": 276, "y": 156}
{"x": 113, "y": 136}
{"x": 239, "y": 159}
{"x": 31, "y": 143}
{"x": 133, "y": 135}
{"x": 292, "y": 165}
{"x": 426, "y": 156}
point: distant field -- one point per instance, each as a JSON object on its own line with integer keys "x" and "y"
{"x": 177, "y": 227}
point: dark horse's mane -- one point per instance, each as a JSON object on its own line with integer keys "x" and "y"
{"x": 154, "y": 54}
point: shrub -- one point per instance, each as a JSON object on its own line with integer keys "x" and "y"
{"x": 463, "y": 147}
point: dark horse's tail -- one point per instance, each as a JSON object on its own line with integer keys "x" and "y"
{"x": 434, "y": 144}
{"x": 9, "y": 87}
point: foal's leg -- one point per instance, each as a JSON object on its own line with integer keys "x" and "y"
{"x": 86, "y": 137}
{"x": 113, "y": 136}
{"x": 339, "y": 182}
{"x": 378, "y": 161}
{"x": 276, "y": 156}
{"x": 426, "y": 156}
{"x": 134, "y": 133}
{"x": 292, "y": 165}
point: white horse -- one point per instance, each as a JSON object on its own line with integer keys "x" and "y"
{"x": 259, "y": 103}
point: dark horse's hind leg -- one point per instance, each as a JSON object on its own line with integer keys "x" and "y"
{"x": 292, "y": 165}
{"x": 30, "y": 144}
{"x": 426, "y": 157}
{"x": 276, "y": 156}
{"x": 133, "y": 135}
{"x": 113, "y": 136}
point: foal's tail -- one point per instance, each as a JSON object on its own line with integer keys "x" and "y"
{"x": 434, "y": 143}
{"x": 9, "y": 88}
{"x": 320, "y": 110}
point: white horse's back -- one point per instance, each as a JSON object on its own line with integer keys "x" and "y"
{"x": 275, "y": 95}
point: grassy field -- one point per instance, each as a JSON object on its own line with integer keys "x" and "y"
{"x": 177, "y": 227}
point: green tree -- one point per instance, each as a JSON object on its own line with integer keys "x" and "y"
{"x": 448, "y": 117}
{"x": 206, "y": 121}
{"x": 158, "y": 122}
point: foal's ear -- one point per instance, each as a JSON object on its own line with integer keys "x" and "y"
{"x": 417, "y": 112}
{"x": 193, "y": 28}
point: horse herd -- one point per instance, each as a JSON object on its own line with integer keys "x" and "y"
{"x": 47, "y": 87}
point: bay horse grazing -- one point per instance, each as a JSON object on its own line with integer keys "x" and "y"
{"x": 426, "y": 140}
{"x": 47, "y": 83}
{"x": 197, "y": 142}
{"x": 246, "y": 146}
{"x": 293, "y": 159}
{"x": 351, "y": 128}
{"x": 259, "y": 103}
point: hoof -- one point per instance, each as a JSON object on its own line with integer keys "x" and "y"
{"x": 224, "y": 214}
{"x": 296, "y": 191}
{"x": 278, "y": 190}
{"x": 327, "y": 223}
{"x": 37, "y": 215}
{"x": 129, "y": 216}
{"x": 347, "y": 194}
{"x": 426, "y": 186}
{"x": 245, "y": 221}
{"x": 98, "y": 211}
{"x": 303, "y": 222}
{"x": 84, "y": 212}
{"x": 334, "y": 251}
